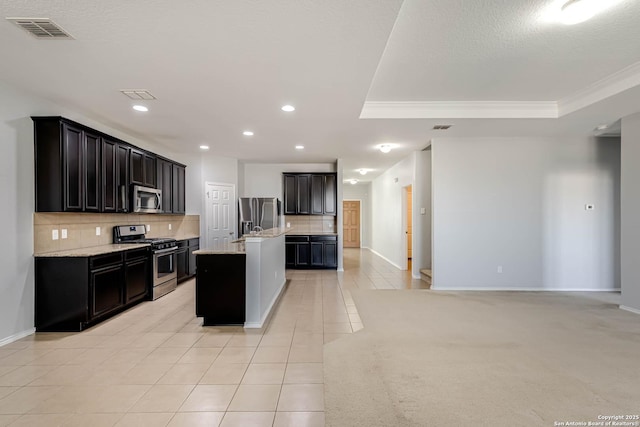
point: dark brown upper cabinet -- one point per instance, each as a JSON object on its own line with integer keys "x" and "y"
{"x": 309, "y": 194}
{"x": 109, "y": 176}
{"x": 143, "y": 168}
{"x": 79, "y": 169}
{"x": 178, "y": 186}
{"x": 67, "y": 167}
{"x": 164, "y": 178}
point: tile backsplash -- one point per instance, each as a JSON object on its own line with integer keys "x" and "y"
{"x": 311, "y": 223}
{"x": 81, "y": 228}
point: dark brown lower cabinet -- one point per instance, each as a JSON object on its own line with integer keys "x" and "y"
{"x": 107, "y": 293}
{"x": 185, "y": 259}
{"x": 73, "y": 293}
{"x": 221, "y": 289}
{"x": 311, "y": 252}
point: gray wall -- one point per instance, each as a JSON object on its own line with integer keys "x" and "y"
{"x": 630, "y": 242}
{"x": 520, "y": 204}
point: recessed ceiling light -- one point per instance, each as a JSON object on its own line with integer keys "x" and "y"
{"x": 204, "y": 147}
{"x": 353, "y": 181}
{"x": 385, "y": 148}
{"x": 288, "y": 108}
{"x": 247, "y": 133}
{"x": 363, "y": 171}
{"x": 577, "y": 11}
{"x": 299, "y": 147}
{"x": 140, "y": 108}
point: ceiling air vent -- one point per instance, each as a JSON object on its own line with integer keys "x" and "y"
{"x": 42, "y": 28}
{"x": 441, "y": 127}
{"x": 138, "y": 94}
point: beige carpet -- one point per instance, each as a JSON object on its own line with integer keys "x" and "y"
{"x": 482, "y": 359}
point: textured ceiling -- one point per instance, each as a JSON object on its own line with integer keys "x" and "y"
{"x": 224, "y": 66}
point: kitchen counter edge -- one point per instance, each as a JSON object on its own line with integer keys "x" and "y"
{"x": 91, "y": 251}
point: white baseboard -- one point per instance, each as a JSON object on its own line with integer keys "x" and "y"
{"x": 629, "y": 309}
{"x": 16, "y": 337}
{"x": 387, "y": 259}
{"x": 265, "y": 316}
{"x": 490, "y": 288}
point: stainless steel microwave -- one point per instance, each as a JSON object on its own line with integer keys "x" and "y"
{"x": 147, "y": 199}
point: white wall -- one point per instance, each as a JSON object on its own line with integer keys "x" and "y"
{"x": 630, "y": 209}
{"x": 387, "y": 233}
{"x": 422, "y": 222}
{"x": 520, "y": 204}
{"x": 362, "y": 192}
{"x": 265, "y": 179}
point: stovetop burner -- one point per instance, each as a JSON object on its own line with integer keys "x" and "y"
{"x": 136, "y": 234}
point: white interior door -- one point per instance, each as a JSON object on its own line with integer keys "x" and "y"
{"x": 221, "y": 214}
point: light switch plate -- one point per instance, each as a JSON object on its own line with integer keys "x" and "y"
{"x": 148, "y": 227}
{"x": 423, "y": 211}
{"x": 54, "y": 235}
{"x": 97, "y": 231}
{"x": 64, "y": 233}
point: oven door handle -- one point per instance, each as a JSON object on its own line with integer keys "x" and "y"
{"x": 164, "y": 251}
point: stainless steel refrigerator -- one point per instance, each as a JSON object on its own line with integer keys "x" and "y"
{"x": 258, "y": 211}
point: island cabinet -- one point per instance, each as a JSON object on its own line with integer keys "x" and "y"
{"x": 185, "y": 258}
{"x": 72, "y": 293}
{"x": 311, "y": 252}
{"x": 310, "y": 193}
{"x": 79, "y": 169}
{"x": 221, "y": 289}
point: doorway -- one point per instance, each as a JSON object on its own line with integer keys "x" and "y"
{"x": 409, "y": 227}
{"x": 351, "y": 223}
{"x": 220, "y": 214}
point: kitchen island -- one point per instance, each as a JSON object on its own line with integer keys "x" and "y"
{"x": 241, "y": 282}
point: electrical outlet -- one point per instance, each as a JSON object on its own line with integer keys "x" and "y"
{"x": 54, "y": 235}
{"x": 288, "y": 225}
{"x": 64, "y": 233}
{"x": 499, "y": 269}
{"x": 169, "y": 226}
{"x": 98, "y": 231}
{"x": 148, "y": 226}
{"x": 330, "y": 225}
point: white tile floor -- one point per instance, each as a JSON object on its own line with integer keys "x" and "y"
{"x": 155, "y": 365}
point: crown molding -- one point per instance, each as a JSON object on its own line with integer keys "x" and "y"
{"x": 460, "y": 110}
{"x": 613, "y": 84}
{"x": 616, "y": 83}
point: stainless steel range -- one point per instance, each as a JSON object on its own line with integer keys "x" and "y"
{"x": 165, "y": 273}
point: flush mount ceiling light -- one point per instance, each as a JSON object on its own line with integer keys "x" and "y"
{"x": 602, "y": 127}
{"x": 140, "y": 108}
{"x": 204, "y": 147}
{"x": 299, "y": 147}
{"x": 353, "y": 181}
{"x": 577, "y": 11}
{"x": 247, "y": 133}
{"x": 385, "y": 148}
{"x": 288, "y": 108}
{"x": 363, "y": 171}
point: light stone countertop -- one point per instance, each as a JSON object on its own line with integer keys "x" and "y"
{"x": 92, "y": 251}
{"x": 294, "y": 232}
{"x": 230, "y": 248}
